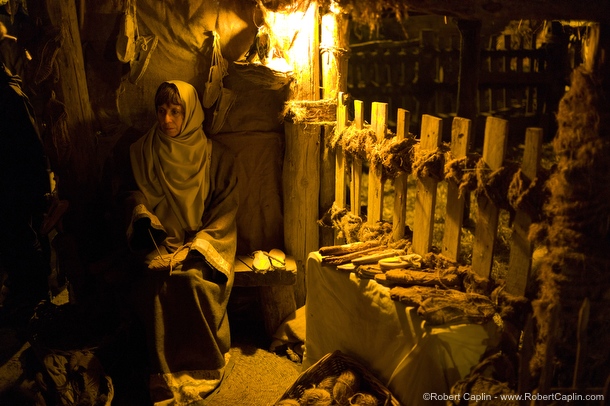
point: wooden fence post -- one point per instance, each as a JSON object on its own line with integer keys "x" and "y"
{"x": 423, "y": 227}
{"x": 460, "y": 140}
{"x": 400, "y": 182}
{"x": 520, "y": 260}
{"x": 494, "y": 147}
{"x": 340, "y": 189}
{"x": 356, "y": 175}
{"x": 379, "y": 118}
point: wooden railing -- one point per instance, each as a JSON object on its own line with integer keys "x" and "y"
{"x": 421, "y": 156}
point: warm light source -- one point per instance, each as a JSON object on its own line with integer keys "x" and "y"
{"x": 283, "y": 28}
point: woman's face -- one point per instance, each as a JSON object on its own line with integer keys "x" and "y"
{"x": 171, "y": 118}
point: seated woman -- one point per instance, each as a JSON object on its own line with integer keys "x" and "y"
{"x": 181, "y": 230}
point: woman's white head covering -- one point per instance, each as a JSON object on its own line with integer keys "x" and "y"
{"x": 174, "y": 172}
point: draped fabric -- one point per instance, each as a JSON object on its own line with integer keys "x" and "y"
{"x": 173, "y": 172}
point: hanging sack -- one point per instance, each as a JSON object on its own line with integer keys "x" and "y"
{"x": 126, "y": 41}
{"x": 218, "y": 70}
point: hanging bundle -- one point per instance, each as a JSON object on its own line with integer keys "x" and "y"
{"x": 126, "y": 41}
{"x": 218, "y": 70}
{"x": 215, "y": 95}
{"x": 133, "y": 48}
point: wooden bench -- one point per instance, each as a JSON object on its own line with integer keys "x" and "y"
{"x": 274, "y": 288}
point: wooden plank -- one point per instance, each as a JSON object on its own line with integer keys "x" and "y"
{"x": 460, "y": 140}
{"x": 356, "y": 175}
{"x": 245, "y": 276}
{"x": 520, "y": 260}
{"x": 403, "y": 117}
{"x": 340, "y": 165}
{"x": 423, "y": 226}
{"x": 379, "y": 118}
{"x": 494, "y": 147}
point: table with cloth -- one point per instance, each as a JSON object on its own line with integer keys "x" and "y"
{"x": 412, "y": 358}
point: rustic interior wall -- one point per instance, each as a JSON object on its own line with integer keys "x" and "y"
{"x": 183, "y": 51}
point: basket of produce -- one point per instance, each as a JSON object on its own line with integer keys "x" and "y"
{"x": 337, "y": 379}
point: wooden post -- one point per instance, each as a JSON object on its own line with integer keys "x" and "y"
{"x": 468, "y": 81}
{"x": 423, "y": 227}
{"x": 333, "y": 49}
{"x": 403, "y": 118}
{"x": 301, "y": 175}
{"x": 460, "y": 140}
{"x": 379, "y": 118}
{"x": 520, "y": 260}
{"x": 73, "y": 92}
{"x": 356, "y": 177}
{"x": 494, "y": 147}
{"x": 334, "y": 38}
{"x": 340, "y": 168}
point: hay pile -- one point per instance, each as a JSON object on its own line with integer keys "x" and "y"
{"x": 576, "y": 235}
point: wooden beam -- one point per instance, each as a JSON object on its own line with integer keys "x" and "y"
{"x": 301, "y": 175}
{"x": 72, "y": 90}
{"x": 334, "y": 38}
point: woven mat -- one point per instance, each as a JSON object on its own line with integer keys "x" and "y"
{"x": 257, "y": 378}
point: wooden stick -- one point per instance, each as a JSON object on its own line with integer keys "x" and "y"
{"x": 347, "y": 248}
{"x": 342, "y": 259}
{"x": 581, "y": 344}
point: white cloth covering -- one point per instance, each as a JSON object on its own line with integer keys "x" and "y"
{"x": 358, "y": 317}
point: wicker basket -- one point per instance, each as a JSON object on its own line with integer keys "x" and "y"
{"x": 333, "y": 364}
